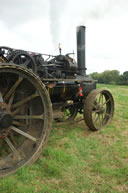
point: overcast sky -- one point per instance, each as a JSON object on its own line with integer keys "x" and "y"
{"x": 40, "y": 25}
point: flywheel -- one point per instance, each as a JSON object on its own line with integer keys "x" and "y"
{"x": 25, "y": 117}
{"x": 22, "y": 58}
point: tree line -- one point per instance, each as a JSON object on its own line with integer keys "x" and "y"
{"x": 111, "y": 77}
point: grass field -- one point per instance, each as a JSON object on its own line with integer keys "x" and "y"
{"x": 77, "y": 160}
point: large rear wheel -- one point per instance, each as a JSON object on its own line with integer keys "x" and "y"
{"x": 25, "y": 117}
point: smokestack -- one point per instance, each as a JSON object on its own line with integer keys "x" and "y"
{"x": 81, "y": 50}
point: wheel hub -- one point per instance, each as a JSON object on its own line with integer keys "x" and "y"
{"x": 100, "y": 109}
{"x": 5, "y": 119}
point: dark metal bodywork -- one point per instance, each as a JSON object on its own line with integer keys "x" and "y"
{"x": 65, "y": 79}
{"x": 73, "y": 83}
{"x": 33, "y": 90}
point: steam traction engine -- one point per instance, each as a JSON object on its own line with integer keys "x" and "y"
{"x": 31, "y": 87}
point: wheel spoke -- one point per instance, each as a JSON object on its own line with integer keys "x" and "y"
{"x": 96, "y": 118}
{"x": 26, "y": 62}
{"x": 100, "y": 120}
{"x": 94, "y": 115}
{"x": 20, "y": 60}
{"x": 107, "y": 114}
{"x": 106, "y": 102}
{"x": 13, "y": 88}
{"x": 24, "y": 134}
{"x": 100, "y": 97}
{"x": 16, "y": 111}
{"x": 11, "y": 100}
{"x": 12, "y": 138}
{"x": 96, "y": 111}
{"x": 25, "y": 100}
{"x": 16, "y": 153}
{"x": 19, "y": 124}
{"x": 29, "y": 117}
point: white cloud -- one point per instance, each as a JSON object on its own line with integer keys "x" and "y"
{"x": 41, "y": 25}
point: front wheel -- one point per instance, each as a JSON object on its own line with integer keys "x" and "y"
{"x": 98, "y": 109}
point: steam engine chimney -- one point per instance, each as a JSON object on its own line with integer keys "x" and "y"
{"x": 81, "y": 50}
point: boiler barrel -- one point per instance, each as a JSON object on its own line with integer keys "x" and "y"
{"x": 64, "y": 91}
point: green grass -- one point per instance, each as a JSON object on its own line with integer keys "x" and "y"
{"x": 77, "y": 160}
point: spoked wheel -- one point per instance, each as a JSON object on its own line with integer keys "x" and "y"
{"x": 98, "y": 109}
{"x": 25, "y": 118}
{"x": 69, "y": 113}
{"x": 66, "y": 113}
{"x": 23, "y": 59}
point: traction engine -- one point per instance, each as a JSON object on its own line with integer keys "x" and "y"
{"x": 36, "y": 88}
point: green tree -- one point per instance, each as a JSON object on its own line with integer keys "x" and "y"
{"x": 107, "y": 77}
{"x": 124, "y": 78}
{"x": 115, "y": 76}
{"x": 125, "y": 75}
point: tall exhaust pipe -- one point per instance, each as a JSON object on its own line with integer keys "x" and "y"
{"x": 81, "y": 50}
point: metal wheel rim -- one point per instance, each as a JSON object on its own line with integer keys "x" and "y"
{"x": 18, "y": 155}
{"x": 98, "y": 109}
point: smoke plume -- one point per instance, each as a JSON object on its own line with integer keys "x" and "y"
{"x": 56, "y": 12}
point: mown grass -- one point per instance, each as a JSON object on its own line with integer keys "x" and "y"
{"x": 77, "y": 160}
